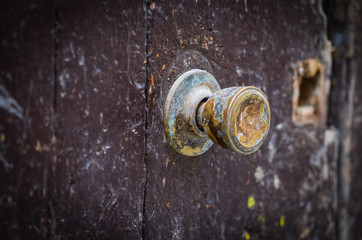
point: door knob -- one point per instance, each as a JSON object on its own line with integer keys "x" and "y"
{"x": 199, "y": 113}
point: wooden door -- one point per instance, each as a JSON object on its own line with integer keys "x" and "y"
{"x": 284, "y": 190}
{"x": 82, "y": 92}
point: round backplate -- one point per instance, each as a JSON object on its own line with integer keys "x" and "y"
{"x": 181, "y": 105}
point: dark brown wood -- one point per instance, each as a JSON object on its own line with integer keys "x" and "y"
{"x": 82, "y": 148}
{"x": 99, "y": 174}
{"x": 292, "y": 178}
{"x": 355, "y": 202}
{"x": 26, "y": 117}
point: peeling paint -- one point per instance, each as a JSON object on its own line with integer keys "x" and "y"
{"x": 259, "y": 175}
{"x": 163, "y": 182}
{"x": 251, "y": 202}
{"x": 9, "y": 104}
{"x": 272, "y": 148}
{"x": 282, "y": 221}
{"x": 276, "y": 182}
{"x": 7, "y": 165}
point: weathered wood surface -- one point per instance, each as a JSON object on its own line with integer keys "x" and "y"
{"x": 98, "y": 176}
{"x": 26, "y": 117}
{"x": 82, "y": 150}
{"x": 292, "y": 178}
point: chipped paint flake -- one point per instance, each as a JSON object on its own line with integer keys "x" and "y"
{"x": 272, "y": 148}
{"x": 251, "y": 202}
{"x": 330, "y": 136}
{"x": 152, "y": 5}
{"x": 279, "y": 126}
{"x": 305, "y": 232}
{"x": 239, "y": 71}
{"x": 282, "y": 221}
{"x": 38, "y": 147}
{"x": 6, "y": 163}
{"x": 247, "y": 236}
{"x": 163, "y": 182}
{"x": 276, "y": 181}
{"x": 259, "y": 175}
{"x": 9, "y": 104}
{"x": 261, "y": 218}
{"x": 167, "y": 160}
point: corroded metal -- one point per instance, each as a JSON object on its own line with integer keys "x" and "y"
{"x": 180, "y": 112}
{"x": 237, "y": 118}
{"x": 197, "y": 111}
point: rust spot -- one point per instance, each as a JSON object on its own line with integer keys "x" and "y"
{"x": 250, "y": 123}
{"x": 53, "y": 140}
{"x": 237, "y": 118}
{"x": 167, "y": 160}
{"x": 152, "y": 5}
{"x": 152, "y": 81}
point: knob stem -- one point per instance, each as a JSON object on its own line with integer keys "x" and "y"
{"x": 199, "y": 113}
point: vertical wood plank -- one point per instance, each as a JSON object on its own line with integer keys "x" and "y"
{"x": 98, "y": 176}
{"x": 285, "y": 190}
{"x": 26, "y": 117}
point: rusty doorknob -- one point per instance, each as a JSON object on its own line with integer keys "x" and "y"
{"x": 198, "y": 113}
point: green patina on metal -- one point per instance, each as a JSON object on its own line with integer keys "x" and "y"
{"x": 180, "y": 112}
{"x": 197, "y": 111}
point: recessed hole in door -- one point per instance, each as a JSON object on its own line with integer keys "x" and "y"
{"x": 309, "y": 98}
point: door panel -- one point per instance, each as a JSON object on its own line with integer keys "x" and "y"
{"x": 26, "y": 117}
{"x": 83, "y": 153}
{"x": 98, "y": 176}
{"x": 285, "y": 189}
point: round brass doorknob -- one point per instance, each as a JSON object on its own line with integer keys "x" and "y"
{"x": 198, "y": 113}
